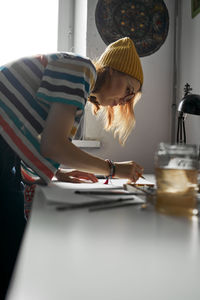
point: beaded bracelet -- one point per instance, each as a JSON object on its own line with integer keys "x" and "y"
{"x": 112, "y": 168}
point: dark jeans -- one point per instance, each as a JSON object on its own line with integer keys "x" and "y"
{"x": 12, "y": 221}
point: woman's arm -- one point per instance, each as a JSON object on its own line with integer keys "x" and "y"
{"x": 55, "y": 145}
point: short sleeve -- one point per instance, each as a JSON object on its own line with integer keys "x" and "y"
{"x": 67, "y": 79}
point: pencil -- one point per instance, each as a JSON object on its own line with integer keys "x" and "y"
{"x": 113, "y": 206}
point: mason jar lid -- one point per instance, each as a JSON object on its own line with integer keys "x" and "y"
{"x": 177, "y": 149}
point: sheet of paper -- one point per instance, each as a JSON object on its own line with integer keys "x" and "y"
{"x": 64, "y": 192}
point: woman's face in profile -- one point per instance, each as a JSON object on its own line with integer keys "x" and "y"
{"x": 118, "y": 90}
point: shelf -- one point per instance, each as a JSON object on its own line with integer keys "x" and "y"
{"x": 87, "y": 143}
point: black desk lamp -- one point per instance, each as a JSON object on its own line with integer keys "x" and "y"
{"x": 190, "y": 104}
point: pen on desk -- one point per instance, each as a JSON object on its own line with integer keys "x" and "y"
{"x": 112, "y": 192}
{"x": 92, "y": 204}
{"x": 142, "y": 190}
{"x": 121, "y": 205}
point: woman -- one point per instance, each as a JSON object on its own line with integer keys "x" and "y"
{"x": 119, "y": 80}
{"x": 42, "y": 101}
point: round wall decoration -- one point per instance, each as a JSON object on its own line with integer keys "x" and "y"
{"x": 146, "y": 22}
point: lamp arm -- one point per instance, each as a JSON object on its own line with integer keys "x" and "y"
{"x": 184, "y": 134}
{"x": 181, "y": 134}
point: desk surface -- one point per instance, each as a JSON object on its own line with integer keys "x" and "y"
{"x": 119, "y": 254}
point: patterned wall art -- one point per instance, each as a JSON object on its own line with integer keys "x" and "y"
{"x": 146, "y": 22}
{"x": 195, "y": 6}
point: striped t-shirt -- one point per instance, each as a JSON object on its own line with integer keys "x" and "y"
{"x": 28, "y": 86}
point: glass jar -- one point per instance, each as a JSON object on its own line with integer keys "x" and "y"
{"x": 176, "y": 171}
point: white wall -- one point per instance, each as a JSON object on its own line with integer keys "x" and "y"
{"x": 153, "y": 112}
{"x": 189, "y": 69}
{"x": 80, "y": 27}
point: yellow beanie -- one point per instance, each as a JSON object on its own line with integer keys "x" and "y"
{"x": 122, "y": 56}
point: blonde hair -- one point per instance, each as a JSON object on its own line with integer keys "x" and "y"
{"x": 119, "y": 119}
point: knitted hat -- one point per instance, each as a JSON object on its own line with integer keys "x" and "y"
{"x": 122, "y": 56}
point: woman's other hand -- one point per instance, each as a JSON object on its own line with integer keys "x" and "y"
{"x": 75, "y": 176}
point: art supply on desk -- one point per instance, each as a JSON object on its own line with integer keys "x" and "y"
{"x": 102, "y": 198}
{"x": 148, "y": 191}
{"x": 131, "y": 188}
{"x": 65, "y": 196}
{"x": 107, "y": 192}
{"x": 63, "y": 192}
{"x": 113, "y": 206}
{"x": 99, "y": 203}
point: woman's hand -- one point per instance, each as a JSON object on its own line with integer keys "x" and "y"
{"x": 129, "y": 170}
{"x": 75, "y": 176}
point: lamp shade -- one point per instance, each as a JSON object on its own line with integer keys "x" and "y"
{"x": 190, "y": 104}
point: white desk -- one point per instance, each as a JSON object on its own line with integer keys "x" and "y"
{"x": 119, "y": 254}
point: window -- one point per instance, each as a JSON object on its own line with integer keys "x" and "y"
{"x": 27, "y": 28}
{"x": 34, "y": 27}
